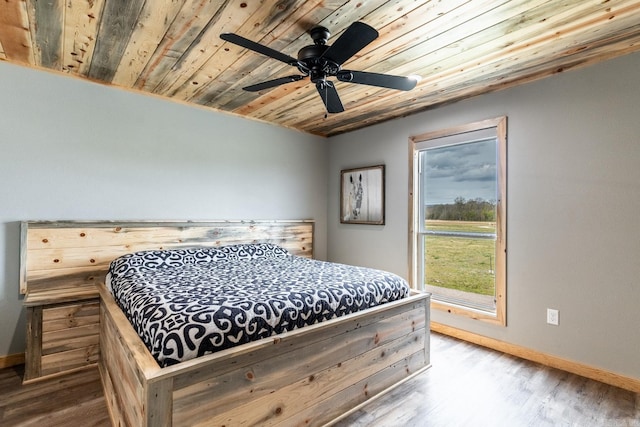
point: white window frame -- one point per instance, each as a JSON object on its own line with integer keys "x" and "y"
{"x": 416, "y": 227}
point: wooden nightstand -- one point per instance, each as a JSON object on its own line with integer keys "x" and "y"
{"x": 63, "y": 330}
{"x": 61, "y": 299}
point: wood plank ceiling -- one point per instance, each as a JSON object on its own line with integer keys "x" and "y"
{"x": 172, "y": 48}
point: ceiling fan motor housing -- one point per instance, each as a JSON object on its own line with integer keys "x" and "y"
{"x": 311, "y": 62}
{"x": 311, "y": 52}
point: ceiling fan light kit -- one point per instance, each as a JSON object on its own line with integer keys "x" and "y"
{"x": 320, "y": 61}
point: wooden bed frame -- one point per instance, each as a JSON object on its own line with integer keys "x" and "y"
{"x": 311, "y": 376}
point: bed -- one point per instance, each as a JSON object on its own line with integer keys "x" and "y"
{"x": 310, "y": 375}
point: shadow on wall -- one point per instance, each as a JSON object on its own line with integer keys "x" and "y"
{"x": 10, "y": 292}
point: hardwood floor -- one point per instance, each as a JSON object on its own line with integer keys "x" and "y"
{"x": 466, "y": 386}
{"x": 469, "y": 385}
{"x": 72, "y": 400}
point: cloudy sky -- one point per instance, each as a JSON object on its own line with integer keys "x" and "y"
{"x": 464, "y": 170}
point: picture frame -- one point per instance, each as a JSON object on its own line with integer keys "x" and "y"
{"x": 362, "y": 195}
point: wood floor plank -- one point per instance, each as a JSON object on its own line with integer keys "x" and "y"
{"x": 467, "y": 385}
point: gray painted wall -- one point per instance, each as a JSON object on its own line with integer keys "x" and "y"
{"x": 573, "y": 203}
{"x": 75, "y": 150}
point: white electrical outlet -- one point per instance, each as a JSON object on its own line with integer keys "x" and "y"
{"x": 553, "y": 316}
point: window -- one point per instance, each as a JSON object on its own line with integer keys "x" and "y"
{"x": 458, "y": 224}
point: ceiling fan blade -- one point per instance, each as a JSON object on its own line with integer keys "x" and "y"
{"x": 374, "y": 79}
{"x": 329, "y": 96}
{"x": 352, "y": 41}
{"x": 257, "y": 47}
{"x": 272, "y": 83}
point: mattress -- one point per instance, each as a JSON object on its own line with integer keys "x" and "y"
{"x": 186, "y": 303}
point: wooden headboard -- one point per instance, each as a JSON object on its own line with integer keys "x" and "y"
{"x": 64, "y": 260}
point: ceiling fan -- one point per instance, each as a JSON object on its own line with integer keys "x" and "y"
{"x": 319, "y": 61}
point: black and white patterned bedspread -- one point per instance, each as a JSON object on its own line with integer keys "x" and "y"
{"x": 190, "y": 302}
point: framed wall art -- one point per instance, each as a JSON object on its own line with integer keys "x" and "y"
{"x": 362, "y": 195}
